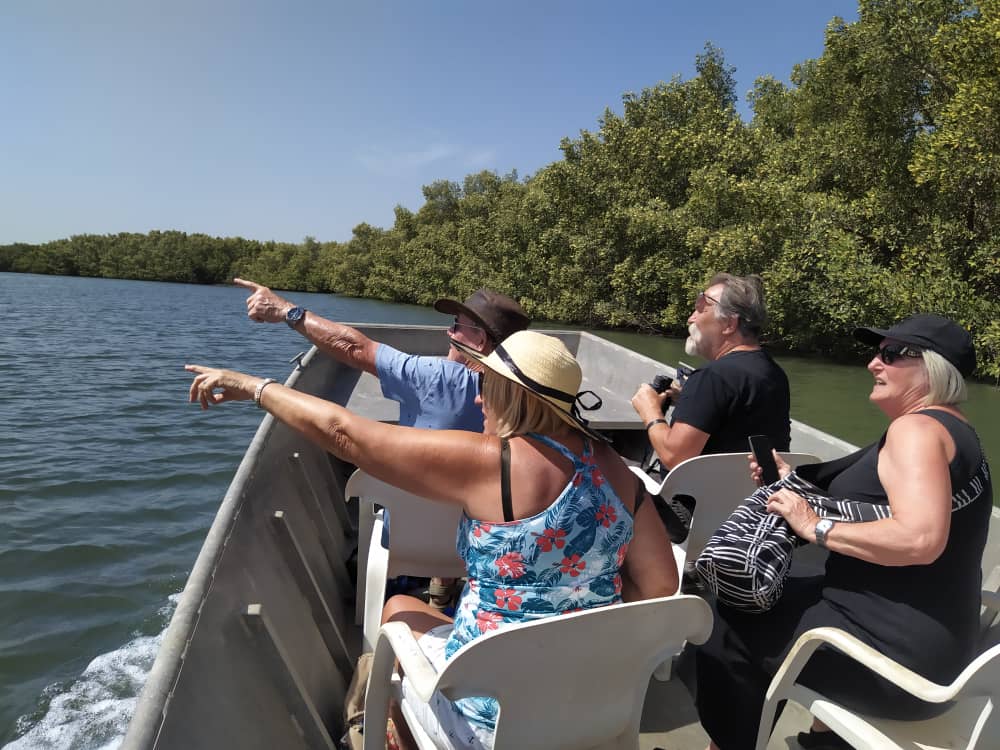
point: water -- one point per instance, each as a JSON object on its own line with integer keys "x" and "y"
{"x": 109, "y": 480}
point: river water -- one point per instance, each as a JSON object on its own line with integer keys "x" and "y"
{"x": 109, "y": 479}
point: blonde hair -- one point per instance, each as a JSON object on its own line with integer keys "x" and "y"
{"x": 945, "y": 384}
{"x": 516, "y": 410}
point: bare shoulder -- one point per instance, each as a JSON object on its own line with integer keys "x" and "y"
{"x": 917, "y": 426}
{"x": 913, "y": 434}
{"x": 616, "y": 470}
{"x": 609, "y": 459}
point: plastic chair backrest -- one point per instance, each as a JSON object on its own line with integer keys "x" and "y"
{"x": 422, "y": 532}
{"x": 576, "y": 680}
{"x": 719, "y": 483}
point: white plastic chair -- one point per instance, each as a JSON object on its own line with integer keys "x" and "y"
{"x": 422, "y": 543}
{"x": 568, "y": 682}
{"x": 970, "y": 722}
{"x": 719, "y": 482}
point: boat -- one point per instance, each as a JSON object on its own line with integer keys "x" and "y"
{"x": 254, "y": 654}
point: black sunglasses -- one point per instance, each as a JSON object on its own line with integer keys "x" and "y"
{"x": 891, "y": 352}
{"x": 479, "y": 381}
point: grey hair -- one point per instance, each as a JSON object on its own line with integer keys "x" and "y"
{"x": 945, "y": 384}
{"x": 742, "y": 296}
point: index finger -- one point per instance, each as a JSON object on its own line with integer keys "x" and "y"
{"x": 197, "y": 368}
{"x": 247, "y": 284}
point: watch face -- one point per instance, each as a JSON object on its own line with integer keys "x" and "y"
{"x": 294, "y": 315}
{"x": 823, "y": 527}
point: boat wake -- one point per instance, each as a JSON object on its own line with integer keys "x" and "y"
{"x": 93, "y": 712}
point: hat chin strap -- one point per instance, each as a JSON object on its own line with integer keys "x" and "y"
{"x": 575, "y": 403}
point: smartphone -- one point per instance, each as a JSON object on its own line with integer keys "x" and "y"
{"x": 760, "y": 446}
{"x": 683, "y": 371}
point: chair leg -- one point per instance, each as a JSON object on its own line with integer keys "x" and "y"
{"x": 377, "y": 696}
{"x": 366, "y": 522}
{"x": 372, "y": 597}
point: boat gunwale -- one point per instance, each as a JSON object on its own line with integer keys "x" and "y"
{"x": 152, "y": 704}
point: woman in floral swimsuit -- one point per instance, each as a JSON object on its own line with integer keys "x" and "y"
{"x": 553, "y": 518}
{"x": 568, "y": 538}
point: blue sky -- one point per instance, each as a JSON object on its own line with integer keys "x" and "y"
{"x": 278, "y": 120}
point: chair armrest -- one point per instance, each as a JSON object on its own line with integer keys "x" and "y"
{"x": 395, "y": 641}
{"x": 417, "y": 667}
{"x": 846, "y": 643}
{"x": 906, "y": 679}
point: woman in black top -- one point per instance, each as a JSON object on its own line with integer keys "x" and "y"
{"x": 908, "y": 585}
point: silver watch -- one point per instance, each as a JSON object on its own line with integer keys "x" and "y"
{"x": 822, "y": 529}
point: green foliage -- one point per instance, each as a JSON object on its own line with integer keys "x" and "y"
{"x": 866, "y": 190}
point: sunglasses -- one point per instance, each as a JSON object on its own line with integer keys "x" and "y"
{"x": 480, "y": 376}
{"x": 453, "y": 328}
{"x": 891, "y": 352}
{"x": 701, "y": 302}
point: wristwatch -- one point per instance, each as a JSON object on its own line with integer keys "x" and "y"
{"x": 293, "y": 316}
{"x": 822, "y": 529}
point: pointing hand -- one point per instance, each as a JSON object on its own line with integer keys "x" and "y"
{"x": 263, "y": 305}
{"x": 234, "y": 386}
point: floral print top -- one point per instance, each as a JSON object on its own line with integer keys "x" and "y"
{"x": 564, "y": 559}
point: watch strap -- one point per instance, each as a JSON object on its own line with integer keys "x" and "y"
{"x": 822, "y": 530}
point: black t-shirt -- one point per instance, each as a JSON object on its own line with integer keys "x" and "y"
{"x": 740, "y": 394}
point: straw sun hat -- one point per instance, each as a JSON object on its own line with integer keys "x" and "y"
{"x": 543, "y": 365}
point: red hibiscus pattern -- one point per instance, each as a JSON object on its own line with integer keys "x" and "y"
{"x": 551, "y": 538}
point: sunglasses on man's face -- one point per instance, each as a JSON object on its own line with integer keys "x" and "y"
{"x": 891, "y": 352}
{"x": 456, "y": 324}
{"x": 702, "y": 302}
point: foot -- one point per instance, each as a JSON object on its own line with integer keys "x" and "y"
{"x": 441, "y": 592}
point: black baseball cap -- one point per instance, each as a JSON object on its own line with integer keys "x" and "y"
{"x": 498, "y": 314}
{"x": 928, "y": 331}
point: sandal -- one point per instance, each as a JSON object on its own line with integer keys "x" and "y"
{"x": 391, "y": 738}
{"x": 441, "y": 595}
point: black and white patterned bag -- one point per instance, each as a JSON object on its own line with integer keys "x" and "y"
{"x": 747, "y": 560}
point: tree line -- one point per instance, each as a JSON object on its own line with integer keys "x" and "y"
{"x": 864, "y": 191}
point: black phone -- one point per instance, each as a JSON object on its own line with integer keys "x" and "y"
{"x": 760, "y": 446}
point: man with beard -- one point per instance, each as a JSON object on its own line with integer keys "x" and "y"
{"x": 740, "y": 392}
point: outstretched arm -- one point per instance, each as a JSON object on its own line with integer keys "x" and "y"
{"x": 448, "y": 465}
{"x": 343, "y": 343}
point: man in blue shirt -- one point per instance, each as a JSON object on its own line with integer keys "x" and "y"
{"x": 433, "y": 392}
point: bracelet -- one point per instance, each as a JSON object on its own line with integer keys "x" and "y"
{"x": 661, "y": 420}
{"x": 260, "y": 390}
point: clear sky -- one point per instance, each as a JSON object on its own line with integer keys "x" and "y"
{"x": 282, "y": 119}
